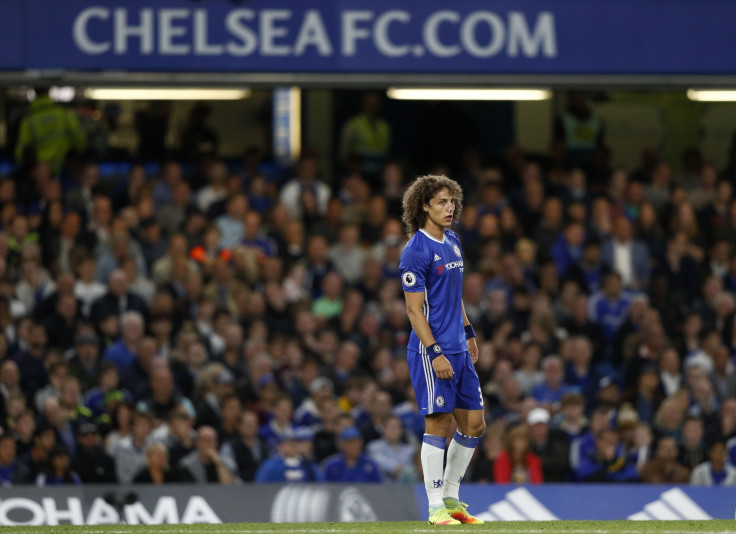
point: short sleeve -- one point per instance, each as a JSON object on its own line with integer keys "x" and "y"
{"x": 413, "y": 267}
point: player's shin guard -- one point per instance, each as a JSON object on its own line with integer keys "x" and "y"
{"x": 458, "y": 458}
{"x": 433, "y": 455}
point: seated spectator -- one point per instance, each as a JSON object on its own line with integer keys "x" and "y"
{"x": 86, "y": 288}
{"x": 157, "y": 470}
{"x": 85, "y": 363}
{"x": 118, "y": 298}
{"x": 351, "y": 464}
{"x": 129, "y": 451}
{"x": 58, "y": 471}
{"x": 124, "y": 351}
{"x": 379, "y": 409}
{"x": 516, "y": 463}
{"x": 608, "y": 461}
{"x": 248, "y": 450}
{"x": 204, "y": 464}
{"x": 281, "y": 422}
{"x": 12, "y": 470}
{"x": 44, "y": 440}
{"x": 491, "y": 447}
{"x": 288, "y": 465}
{"x": 178, "y": 434}
{"x": 717, "y": 471}
{"x": 395, "y": 459}
{"x": 549, "y": 393}
{"x": 551, "y": 446}
{"x": 307, "y": 414}
{"x": 664, "y": 467}
{"x": 163, "y": 398}
{"x": 608, "y": 308}
{"x": 528, "y": 375}
{"x": 571, "y": 420}
{"x": 692, "y": 446}
{"x": 627, "y": 256}
{"x": 91, "y": 462}
{"x": 120, "y": 425}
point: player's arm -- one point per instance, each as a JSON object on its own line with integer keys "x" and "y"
{"x": 414, "y": 303}
{"x": 472, "y": 345}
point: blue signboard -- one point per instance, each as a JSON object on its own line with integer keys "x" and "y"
{"x": 365, "y": 36}
{"x": 549, "y": 502}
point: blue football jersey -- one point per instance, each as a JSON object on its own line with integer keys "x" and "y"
{"x": 436, "y": 269}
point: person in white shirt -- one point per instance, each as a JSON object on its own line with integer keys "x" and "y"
{"x": 217, "y": 188}
{"x": 306, "y": 178}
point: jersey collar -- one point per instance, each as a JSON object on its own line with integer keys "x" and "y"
{"x": 433, "y": 238}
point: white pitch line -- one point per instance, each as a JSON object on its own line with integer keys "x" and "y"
{"x": 418, "y": 530}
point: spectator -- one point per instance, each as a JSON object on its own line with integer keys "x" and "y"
{"x": 204, "y": 464}
{"x": 91, "y": 462}
{"x": 84, "y": 364}
{"x": 129, "y": 450}
{"x": 394, "y": 458}
{"x": 12, "y": 471}
{"x": 551, "y": 446}
{"x": 664, "y": 467}
{"x": 118, "y": 298}
{"x": 305, "y": 180}
{"x": 281, "y": 422}
{"x": 248, "y": 450}
{"x": 351, "y": 464}
{"x": 121, "y": 423}
{"x": 491, "y": 448}
{"x": 717, "y": 471}
{"x": 288, "y": 465}
{"x": 123, "y": 352}
{"x": 59, "y": 470}
{"x": 163, "y": 398}
{"x": 692, "y": 447}
{"x": 608, "y": 461}
{"x": 549, "y": 393}
{"x": 516, "y": 463}
{"x": 626, "y": 255}
{"x": 157, "y": 470}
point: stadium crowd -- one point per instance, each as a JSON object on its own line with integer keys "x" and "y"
{"x": 228, "y": 324}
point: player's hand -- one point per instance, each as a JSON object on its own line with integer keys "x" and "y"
{"x": 442, "y": 367}
{"x": 473, "y": 350}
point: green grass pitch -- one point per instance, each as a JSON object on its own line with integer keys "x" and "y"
{"x": 524, "y": 527}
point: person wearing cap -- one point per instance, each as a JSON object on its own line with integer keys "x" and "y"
{"x": 551, "y": 446}
{"x": 351, "y": 464}
{"x": 90, "y": 461}
{"x": 288, "y": 465}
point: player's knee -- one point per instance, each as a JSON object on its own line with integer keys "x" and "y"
{"x": 478, "y": 428}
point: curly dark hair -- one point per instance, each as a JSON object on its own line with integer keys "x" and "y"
{"x": 420, "y": 193}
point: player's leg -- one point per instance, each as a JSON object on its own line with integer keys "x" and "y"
{"x": 469, "y": 415}
{"x": 431, "y": 393}
{"x": 437, "y": 426}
